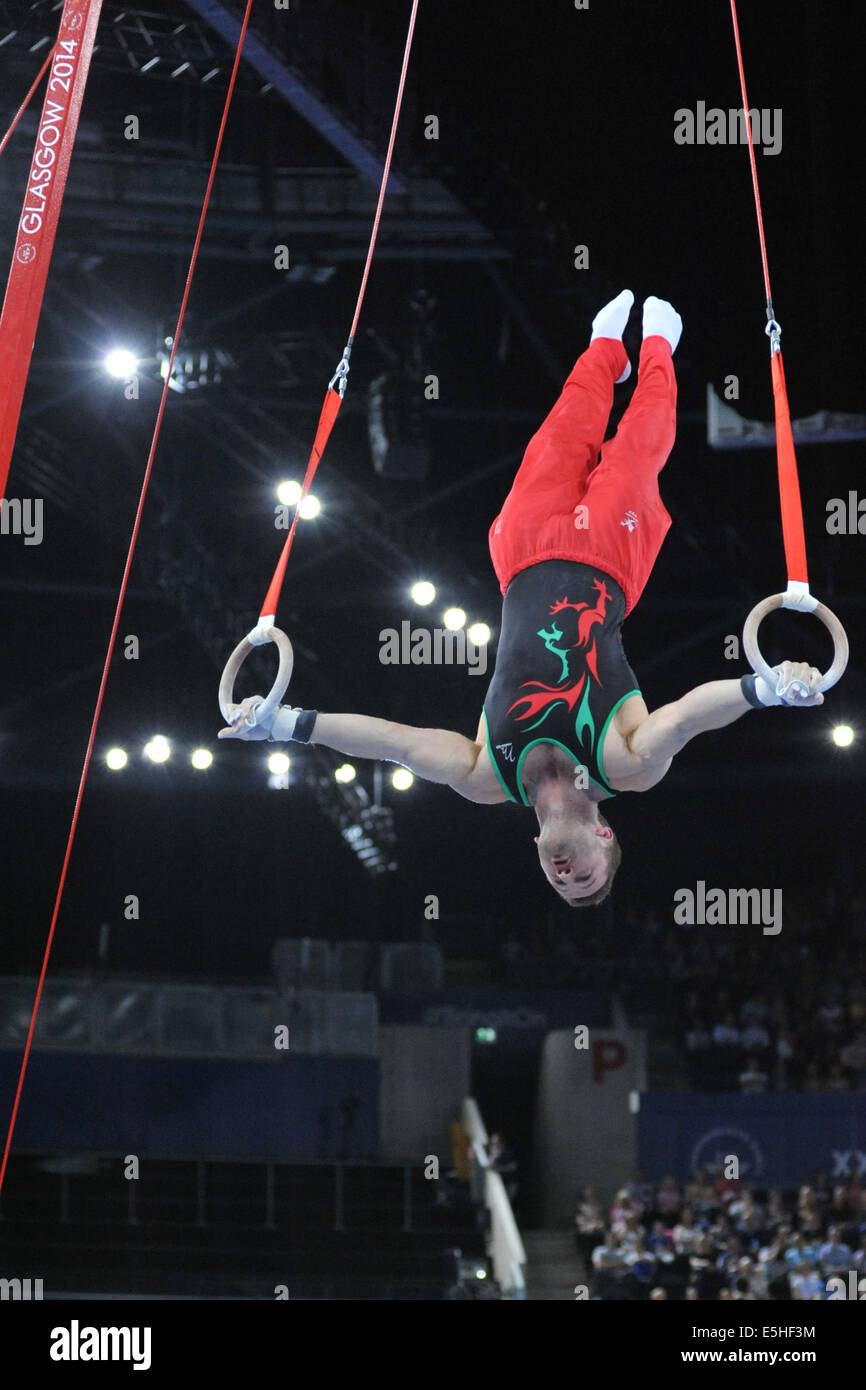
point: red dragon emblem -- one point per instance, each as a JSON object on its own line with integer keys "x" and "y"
{"x": 546, "y": 696}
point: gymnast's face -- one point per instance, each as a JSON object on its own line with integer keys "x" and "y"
{"x": 574, "y": 856}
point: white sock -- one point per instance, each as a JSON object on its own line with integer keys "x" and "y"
{"x": 610, "y": 322}
{"x": 661, "y": 318}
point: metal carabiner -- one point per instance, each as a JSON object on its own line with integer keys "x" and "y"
{"x": 341, "y": 374}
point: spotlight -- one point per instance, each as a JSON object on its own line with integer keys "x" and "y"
{"x": 479, "y": 633}
{"x": 120, "y": 362}
{"x": 345, "y": 773}
{"x": 310, "y": 507}
{"x": 116, "y": 758}
{"x": 402, "y": 779}
{"x": 158, "y": 749}
{"x": 289, "y": 493}
{"x": 454, "y": 619}
{"x": 202, "y": 758}
{"x": 278, "y": 763}
{"x": 423, "y": 592}
{"x": 843, "y": 735}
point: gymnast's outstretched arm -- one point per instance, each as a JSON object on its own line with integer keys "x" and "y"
{"x": 713, "y": 706}
{"x": 436, "y": 755}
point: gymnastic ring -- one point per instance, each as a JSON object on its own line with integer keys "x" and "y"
{"x": 278, "y": 689}
{"x": 759, "y": 665}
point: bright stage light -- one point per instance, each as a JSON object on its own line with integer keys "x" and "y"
{"x": 479, "y": 633}
{"x": 454, "y": 619}
{"x": 288, "y": 493}
{"x": 310, "y": 507}
{"x": 345, "y": 773}
{"x": 202, "y": 758}
{"x": 116, "y": 758}
{"x": 278, "y": 764}
{"x": 402, "y": 779}
{"x": 843, "y": 735}
{"x": 423, "y": 592}
{"x": 120, "y": 362}
{"x": 158, "y": 749}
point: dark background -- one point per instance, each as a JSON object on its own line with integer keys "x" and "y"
{"x": 556, "y": 129}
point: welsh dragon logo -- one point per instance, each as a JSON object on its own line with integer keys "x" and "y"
{"x": 579, "y": 667}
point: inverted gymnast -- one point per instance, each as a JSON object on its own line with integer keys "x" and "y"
{"x": 564, "y": 725}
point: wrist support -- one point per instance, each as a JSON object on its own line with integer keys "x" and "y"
{"x": 758, "y": 693}
{"x": 295, "y": 725}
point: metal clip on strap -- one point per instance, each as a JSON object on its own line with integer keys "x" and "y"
{"x": 342, "y": 373}
{"x": 773, "y": 329}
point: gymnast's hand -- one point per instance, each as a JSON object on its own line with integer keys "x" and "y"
{"x": 239, "y": 728}
{"x": 797, "y": 684}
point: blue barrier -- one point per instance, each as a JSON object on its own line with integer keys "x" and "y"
{"x": 298, "y": 1107}
{"x": 779, "y": 1139}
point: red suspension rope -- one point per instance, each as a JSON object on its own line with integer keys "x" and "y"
{"x": 789, "y": 484}
{"x": 334, "y": 397}
{"x": 26, "y": 102}
{"x": 121, "y": 597}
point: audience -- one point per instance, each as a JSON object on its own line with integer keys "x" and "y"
{"x": 717, "y": 1239}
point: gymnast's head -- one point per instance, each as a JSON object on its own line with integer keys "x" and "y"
{"x": 579, "y": 855}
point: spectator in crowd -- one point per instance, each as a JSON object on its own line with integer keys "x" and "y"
{"x": 724, "y": 1186}
{"x": 812, "y": 1080}
{"x": 841, "y": 1209}
{"x": 785, "y": 1058}
{"x": 776, "y": 1214}
{"x": 640, "y": 1191}
{"x": 836, "y": 1078}
{"x": 699, "y": 1194}
{"x": 607, "y": 1264}
{"x": 750, "y": 1278}
{"x": 755, "y": 1038}
{"x": 799, "y": 1250}
{"x": 702, "y": 1271}
{"x": 726, "y": 1033}
{"x": 746, "y": 1215}
{"x": 668, "y": 1200}
{"x": 639, "y": 1271}
{"x": 698, "y": 1042}
{"x": 834, "y": 1256}
{"x": 660, "y": 1241}
{"x": 771, "y": 1258}
{"x": 686, "y": 1233}
{"x": 806, "y": 1283}
{"x": 589, "y": 1222}
{"x": 753, "y": 1078}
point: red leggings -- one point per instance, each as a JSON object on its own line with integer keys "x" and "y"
{"x": 566, "y": 503}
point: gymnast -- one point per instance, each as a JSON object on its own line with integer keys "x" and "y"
{"x": 564, "y": 725}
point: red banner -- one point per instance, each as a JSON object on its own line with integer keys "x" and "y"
{"x": 46, "y": 183}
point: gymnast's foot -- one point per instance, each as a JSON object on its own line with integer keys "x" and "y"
{"x": 661, "y": 319}
{"x": 610, "y": 322}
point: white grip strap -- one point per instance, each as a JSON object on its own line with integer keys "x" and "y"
{"x": 260, "y": 634}
{"x": 797, "y": 596}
